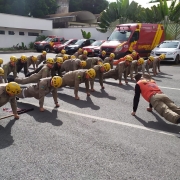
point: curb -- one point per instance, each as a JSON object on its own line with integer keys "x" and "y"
{"x": 16, "y": 51}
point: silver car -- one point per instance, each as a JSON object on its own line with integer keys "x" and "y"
{"x": 171, "y": 48}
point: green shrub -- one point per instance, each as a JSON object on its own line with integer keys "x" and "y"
{"x": 31, "y": 45}
{"x": 41, "y": 38}
{"x": 85, "y": 34}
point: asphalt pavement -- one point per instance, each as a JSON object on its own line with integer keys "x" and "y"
{"x": 95, "y": 138}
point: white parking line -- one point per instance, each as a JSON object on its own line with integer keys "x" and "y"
{"x": 107, "y": 120}
{"x": 108, "y": 80}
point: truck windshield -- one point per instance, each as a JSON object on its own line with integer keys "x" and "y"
{"x": 119, "y": 36}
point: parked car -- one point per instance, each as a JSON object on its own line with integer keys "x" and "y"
{"x": 90, "y": 49}
{"x": 71, "y": 49}
{"x": 48, "y": 43}
{"x": 170, "y": 48}
{"x": 58, "y": 47}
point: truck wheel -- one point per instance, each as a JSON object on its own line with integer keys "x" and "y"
{"x": 177, "y": 59}
{"x": 47, "y": 49}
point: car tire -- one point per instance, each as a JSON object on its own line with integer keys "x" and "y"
{"x": 38, "y": 50}
{"x": 47, "y": 49}
{"x": 177, "y": 59}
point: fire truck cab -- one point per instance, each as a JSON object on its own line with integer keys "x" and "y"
{"x": 141, "y": 37}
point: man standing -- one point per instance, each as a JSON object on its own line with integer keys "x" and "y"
{"x": 156, "y": 98}
{"x": 41, "y": 89}
{"x": 8, "y": 93}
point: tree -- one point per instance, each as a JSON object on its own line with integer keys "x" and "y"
{"x": 35, "y": 8}
{"x": 94, "y": 6}
{"x": 117, "y": 13}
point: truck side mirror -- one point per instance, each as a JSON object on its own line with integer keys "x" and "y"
{"x": 107, "y": 38}
{"x": 132, "y": 39}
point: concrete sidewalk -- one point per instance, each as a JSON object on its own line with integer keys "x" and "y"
{"x": 17, "y": 51}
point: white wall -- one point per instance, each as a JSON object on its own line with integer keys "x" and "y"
{"x": 22, "y": 22}
{"x": 7, "y": 40}
{"x": 75, "y": 32}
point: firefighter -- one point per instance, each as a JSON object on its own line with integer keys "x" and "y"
{"x": 122, "y": 67}
{"x": 41, "y": 89}
{"x": 147, "y": 64}
{"x": 41, "y": 58}
{"x": 78, "y": 53}
{"x": 156, "y": 63}
{"x": 8, "y": 93}
{"x": 110, "y": 59}
{"x": 43, "y": 73}
{"x": 10, "y": 67}
{"x": 62, "y": 53}
{"x": 134, "y": 67}
{"x": 57, "y": 67}
{"x": 31, "y": 60}
{"x": 66, "y": 57}
{"x": 1, "y": 62}
{"x": 102, "y": 55}
{"x": 134, "y": 55}
{"x": 149, "y": 90}
{"x": 91, "y": 62}
{"x": 100, "y": 69}
{"x": 22, "y": 63}
{"x": 83, "y": 56}
{"x": 74, "y": 78}
{"x": 72, "y": 65}
{"x": 1, "y": 75}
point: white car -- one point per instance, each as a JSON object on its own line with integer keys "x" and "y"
{"x": 171, "y": 48}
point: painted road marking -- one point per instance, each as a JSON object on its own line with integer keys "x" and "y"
{"x": 108, "y": 80}
{"x": 107, "y": 120}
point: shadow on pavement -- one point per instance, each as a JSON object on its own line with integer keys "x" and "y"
{"x": 79, "y": 103}
{"x": 5, "y": 135}
{"x": 102, "y": 94}
{"x": 124, "y": 86}
{"x": 160, "y": 125}
{"x": 42, "y": 117}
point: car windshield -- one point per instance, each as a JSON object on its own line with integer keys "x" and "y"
{"x": 80, "y": 41}
{"x": 119, "y": 36}
{"x": 48, "y": 40}
{"x": 65, "y": 42}
{"x": 168, "y": 44}
{"x": 68, "y": 41}
{"x": 97, "y": 43}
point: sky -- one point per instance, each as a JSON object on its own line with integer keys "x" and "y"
{"x": 143, "y": 3}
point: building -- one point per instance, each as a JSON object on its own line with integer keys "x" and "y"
{"x": 17, "y": 29}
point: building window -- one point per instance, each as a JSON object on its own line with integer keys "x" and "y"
{"x": 33, "y": 34}
{"x": 21, "y": 33}
{"x": 2, "y": 32}
{"x": 11, "y": 32}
